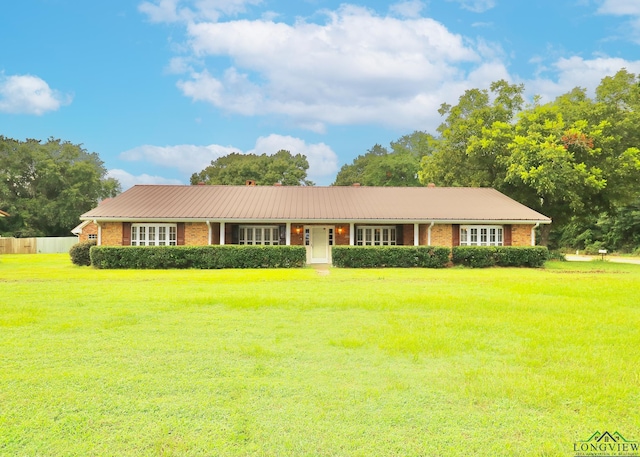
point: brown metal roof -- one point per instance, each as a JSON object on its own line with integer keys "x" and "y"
{"x": 284, "y": 203}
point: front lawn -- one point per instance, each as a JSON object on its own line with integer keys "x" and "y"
{"x": 411, "y": 362}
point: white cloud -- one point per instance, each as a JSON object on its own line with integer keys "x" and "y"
{"x": 128, "y": 180}
{"x": 189, "y": 159}
{"x": 578, "y": 72}
{"x": 355, "y": 68}
{"x": 476, "y": 6}
{"x": 192, "y": 10}
{"x": 27, "y": 94}
{"x": 620, "y": 7}
{"x": 186, "y": 158}
{"x": 410, "y": 9}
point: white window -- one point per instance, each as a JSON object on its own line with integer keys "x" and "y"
{"x": 251, "y": 235}
{"x": 481, "y": 235}
{"x": 153, "y": 234}
{"x": 376, "y": 236}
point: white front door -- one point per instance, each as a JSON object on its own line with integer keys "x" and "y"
{"x": 319, "y": 245}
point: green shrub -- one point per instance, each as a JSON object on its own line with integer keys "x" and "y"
{"x": 79, "y": 253}
{"x": 390, "y": 256}
{"x": 199, "y": 257}
{"x": 502, "y": 256}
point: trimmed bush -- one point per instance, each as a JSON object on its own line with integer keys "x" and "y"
{"x": 79, "y": 253}
{"x": 199, "y": 257}
{"x": 502, "y": 256}
{"x": 390, "y": 256}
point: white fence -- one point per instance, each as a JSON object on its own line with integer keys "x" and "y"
{"x": 42, "y": 245}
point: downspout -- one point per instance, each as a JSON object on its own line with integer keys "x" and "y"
{"x": 209, "y": 227}
{"x": 533, "y": 233}
{"x": 99, "y": 243}
{"x": 416, "y": 234}
{"x": 429, "y": 233}
{"x": 222, "y": 233}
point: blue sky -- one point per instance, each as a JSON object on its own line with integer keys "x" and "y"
{"x": 159, "y": 88}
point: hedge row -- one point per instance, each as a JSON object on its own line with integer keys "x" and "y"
{"x": 390, "y": 256}
{"x": 501, "y": 256}
{"x": 199, "y": 257}
{"x": 438, "y": 257}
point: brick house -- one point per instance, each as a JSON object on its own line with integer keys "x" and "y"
{"x": 315, "y": 217}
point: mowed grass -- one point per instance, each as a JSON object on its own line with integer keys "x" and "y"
{"x": 454, "y": 362}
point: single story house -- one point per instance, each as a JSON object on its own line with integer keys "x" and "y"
{"x": 315, "y": 217}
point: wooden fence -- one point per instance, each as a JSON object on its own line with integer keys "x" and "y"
{"x": 42, "y": 245}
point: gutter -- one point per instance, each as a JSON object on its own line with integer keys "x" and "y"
{"x": 429, "y": 233}
{"x": 533, "y": 233}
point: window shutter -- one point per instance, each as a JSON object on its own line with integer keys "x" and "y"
{"x": 283, "y": 234}
{"x": 455, "y": 235}
{"x": 507, "y": 235}
{"x": 235, "y": 234}
{"x": 126, "y": 233}
{"x": 399, "y": 235}
{"x": 180, "y": 233}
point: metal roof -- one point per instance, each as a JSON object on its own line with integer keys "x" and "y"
{"x": 313, "y": 203}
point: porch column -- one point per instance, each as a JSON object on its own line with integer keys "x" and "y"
{"x": 288, "y": 235}
{"x": 416, "y": 234}
{"x": 352, "y": 234}
{"x": 222, "y": 230}
{"x": 99, "y": 242}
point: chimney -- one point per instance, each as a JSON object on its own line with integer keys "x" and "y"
{"x": 431, "y": 185}
{"x": 277, "y": 184}
{"x": 355, "y": 184}
{"x": 250, "y": 182}
{"x": 201, "y": 183}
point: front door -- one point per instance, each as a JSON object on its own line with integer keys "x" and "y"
{"x": 319, "y": 245}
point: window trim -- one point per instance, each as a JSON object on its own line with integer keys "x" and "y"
{"x": 376, "y": 235}
{"x": 481, "y": 235}
{"x": 250, "y": 233}
{"x": 170, "y": 232}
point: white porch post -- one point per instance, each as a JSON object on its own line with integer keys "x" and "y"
{"x": 288, "y": 234}
{"x": 222, "y": 230}
{"x": 99, "y": 242}
{"x": 416, "y": 234}
{"x": 209, "y": 230}
{"x": 429, "y": 234}
{"x": 352, "y": 234}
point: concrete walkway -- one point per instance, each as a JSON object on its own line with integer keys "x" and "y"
{"x": 610, "y": 258}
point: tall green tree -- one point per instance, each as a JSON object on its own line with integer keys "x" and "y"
{"x": 569, "y": 159}
{"x": 453, "y": 163}
{"x": 47, "y": 186}
{"x": 381, "y": 167}
{"x": 266, "y": 170}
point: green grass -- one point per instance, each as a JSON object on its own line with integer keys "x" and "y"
{"x": 453, "y": 362}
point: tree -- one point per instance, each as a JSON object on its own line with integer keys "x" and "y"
{"x": 46, "y": 187}
{"x": 379, "y": 167}
{"x": 453, "y": 163}
{"x": 265, "y": 170}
